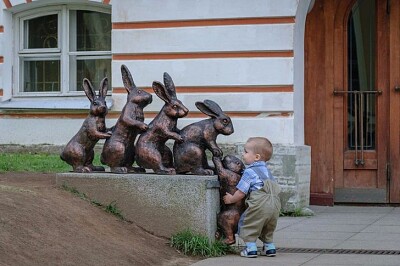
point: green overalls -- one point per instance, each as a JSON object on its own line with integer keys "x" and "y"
{"x": 262, "y": 213}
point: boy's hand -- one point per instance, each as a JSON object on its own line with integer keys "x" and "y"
{"x": 228, "y": 198}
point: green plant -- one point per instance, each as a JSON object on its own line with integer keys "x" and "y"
{"x": 95, "y": 202}
{"x": 74, "y": 191}
{"x": 113, "y": 209}
{"x": 194, "y": 244}
{"x": 110, "y": 208}
{"x": 298, "y": 212}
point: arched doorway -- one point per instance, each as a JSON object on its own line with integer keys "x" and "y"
{"x": 352, "y": 103}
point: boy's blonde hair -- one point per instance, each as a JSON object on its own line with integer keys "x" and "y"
{"x": 262, "y": 146}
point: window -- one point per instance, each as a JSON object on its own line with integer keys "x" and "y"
{"x": 58, "y": 47}
{"x": 361, "y": 111}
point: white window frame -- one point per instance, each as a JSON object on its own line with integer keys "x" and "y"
{"x": 67, "y": 82}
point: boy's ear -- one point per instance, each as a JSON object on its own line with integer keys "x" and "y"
{"x": 258, "y": 156}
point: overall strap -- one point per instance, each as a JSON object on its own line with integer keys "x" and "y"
{"x": 273, "y": 187}
{"x": 261, "y": 174}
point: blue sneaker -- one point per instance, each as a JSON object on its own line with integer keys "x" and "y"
{"x": 248, "y": 253}
{"x": 268, "y": 250}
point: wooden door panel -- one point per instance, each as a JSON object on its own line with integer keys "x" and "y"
{"x": 334, "y": 172}
{"x": 371, "y": 164}
{"x": 370, "y": 161}
{"x": 358, "y": 173}
{"x": 360, "y": 179}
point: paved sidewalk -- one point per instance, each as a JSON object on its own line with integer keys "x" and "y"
{"x": 345, "y": 228}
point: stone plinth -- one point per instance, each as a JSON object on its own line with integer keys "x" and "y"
{"x": 161, "y": 204}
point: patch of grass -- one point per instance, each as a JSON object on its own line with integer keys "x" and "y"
{"x": 113, "y": 209}
{"x": 35, "y": 162}
{"x": 194, "y": 244}
{"x": 74, "y": 191}
{"x": 95, "y": 202}
{"x": 298, "y": 212}
{"x": 110, "y": 208}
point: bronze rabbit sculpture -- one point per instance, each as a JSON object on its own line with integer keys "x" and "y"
{"x": 229, "y": 173}
{"x": 119, "y": 150}
{"x": 190, "y": 155}
{"x": 151, "y": 151}
{"x": 79, "y": 151}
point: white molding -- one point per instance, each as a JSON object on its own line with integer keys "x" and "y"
{"x": 156, "y": 10}
{"x": 298, "y": 67}
{"x": 209, "y": 72}
{"x": 204, "y": 39}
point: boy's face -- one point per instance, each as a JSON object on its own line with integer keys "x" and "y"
{"x": 249, "y": 156}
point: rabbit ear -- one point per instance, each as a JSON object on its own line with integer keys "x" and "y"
{"x": 89, "y": 90}
{"x": 213, "y": 106}
{"x": 169, "y": 84}
{"x": 161, "y": 91}
{"x": 127, "y": 79}
{"x": 103, "y": 87}
{"x": 209, "y": 108}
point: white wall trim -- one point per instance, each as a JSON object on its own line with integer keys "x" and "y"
{"x": 298, "y": 69}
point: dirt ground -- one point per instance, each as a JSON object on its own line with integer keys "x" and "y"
{"x": 41, "y": 224}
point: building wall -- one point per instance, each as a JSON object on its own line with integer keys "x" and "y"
{"x": 245, "y": 55}
{"x": 240, "y": 54}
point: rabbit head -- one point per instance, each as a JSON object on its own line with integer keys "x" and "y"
{"x": 222, "y": 122}
{"x": 233, "y": 163}
{"x": 135, "y": 95}
{"x": 98, "y": 105}
{"x": 173, "y": 107}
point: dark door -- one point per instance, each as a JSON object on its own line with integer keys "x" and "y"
{"x": 352, "y": 100}
{"x": 361, "y": 173}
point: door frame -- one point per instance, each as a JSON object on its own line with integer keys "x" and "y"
{"x": 328, "y": 21}
{"x": 394, "y": 71}
{"x": 340, "y": 104}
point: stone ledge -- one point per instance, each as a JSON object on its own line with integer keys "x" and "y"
{"x": 161, "y": 204}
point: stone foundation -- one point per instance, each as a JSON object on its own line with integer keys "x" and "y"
{"x": 161, "y": 204}
{"x": 291, "y": 166}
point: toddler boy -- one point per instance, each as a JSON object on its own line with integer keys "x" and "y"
{"x": 262, "y": 203}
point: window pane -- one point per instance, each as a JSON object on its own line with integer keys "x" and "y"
{"x": 94, "y": 70}
{"x": 42, "y": 76}
{"x": 361, "y": 75}
{"x": 93, "y": 31}
{"x": 41, "y": 32}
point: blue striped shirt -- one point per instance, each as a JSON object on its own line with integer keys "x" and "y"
{"x": 250, "y": 180}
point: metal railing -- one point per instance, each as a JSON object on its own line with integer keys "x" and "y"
{"x": 359, "y": 111}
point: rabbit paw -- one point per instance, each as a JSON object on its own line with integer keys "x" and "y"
{"x": 119, "y": 170}
{"x": 180, "y": 139}
{"x": 82, "y": 169}
{"x": 144, "y": 127}
{"x": 217, "y": 152}
{"x": 166, "y": 171}
{"x": 202, "y": 171}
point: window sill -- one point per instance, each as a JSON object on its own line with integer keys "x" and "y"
{"x": 49, "y": 103}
